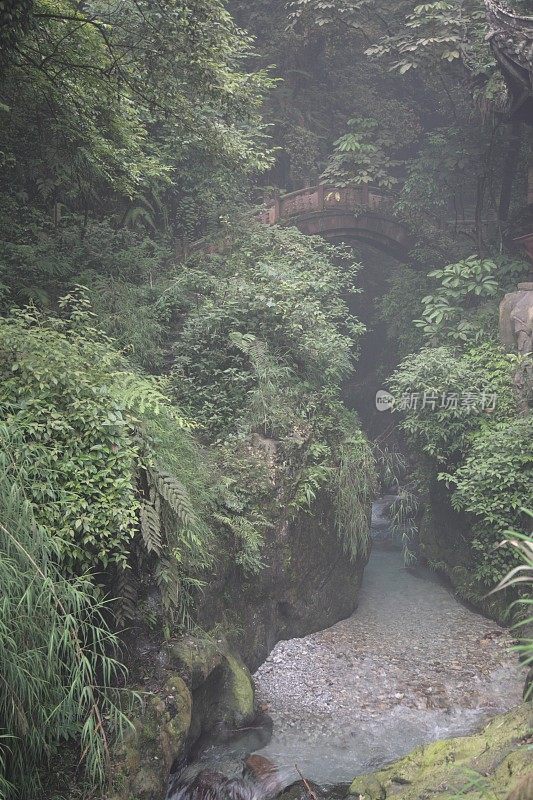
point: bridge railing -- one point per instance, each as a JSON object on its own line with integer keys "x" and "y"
{"x": 323, "y": 198}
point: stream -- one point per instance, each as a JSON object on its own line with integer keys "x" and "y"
{"x": 410, "y": 666}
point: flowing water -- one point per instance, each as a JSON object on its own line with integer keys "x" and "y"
{"x": 411, "y": 665}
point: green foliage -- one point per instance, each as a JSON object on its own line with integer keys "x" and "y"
{"x": 483, "y": 448}
{"x": 460, "y": 285}
{"x": 403, "y": 515}
{"x": 521, "y": 578}
{"x": 441, "y": 31}
{"x": 444, "y": 431}
{"x": 438, "y": 182}
{"x": 361, "y": 157}
{"x": 323, "y": 13}
{"x": 58, "y": 655}
{"x": 129, "y": 130}
{"x": 73, "y": 434}
{"x": 266, "y": 340}
{"x": 14, "y": 19}
{"x": 303, "y": 149}
{"x": 494, "y": 483}
{"x": 357, "y": 485}
{"x": 269, "y": 313}
{"x": 400, "y": 305}
{"x": 125, "y": 109}
{"x": 244, "y": 511}
{"x": 106, "y": 450}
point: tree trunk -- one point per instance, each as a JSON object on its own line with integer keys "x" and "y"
{"x": 510, "y": 167}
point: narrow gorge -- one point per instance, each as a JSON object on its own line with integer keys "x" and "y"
{"x": 266, "y": 393}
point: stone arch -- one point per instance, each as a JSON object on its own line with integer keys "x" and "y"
{"x": 347, "y": 213}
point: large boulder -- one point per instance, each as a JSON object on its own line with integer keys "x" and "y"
{"x": 142, "y": 763}
{"x": 491, "y": 763}
{"x": 516, "y": 319}
{"x": 195, "y": 685}
{"x": 516, "y": 333}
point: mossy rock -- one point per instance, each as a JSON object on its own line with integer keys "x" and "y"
{"x": 237, "y": 702}
{"x": 143, "y": 761}
{"x": 195, "y": 658}
{"x": 490, "y": 763}
{"x": 226, "y": 697}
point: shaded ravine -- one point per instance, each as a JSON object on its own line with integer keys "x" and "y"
{"x": 411, "y": 665}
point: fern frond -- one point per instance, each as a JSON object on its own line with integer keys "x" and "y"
{"x": 168, "y": 582}
{"x": 150, "y": 527}
{"x": 176, "y": 496}
{"x": 147, "y": 395}
{"x": 126, "y": 596}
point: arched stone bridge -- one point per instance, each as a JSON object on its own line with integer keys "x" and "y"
{"x": 349, "y": 213}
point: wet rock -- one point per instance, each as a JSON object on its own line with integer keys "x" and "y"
{"x": 307, "y": 584}
{"x": 195, "y": 657}
{"x": 202, "y": 685}
{"x": 490, "y": 763}
{"x": 143, "y": 761}
{"x": 524, "y": 790}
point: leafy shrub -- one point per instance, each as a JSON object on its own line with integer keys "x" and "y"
{"x": 277, "y": 297}
{"x": 124, "y": 270}
{"x": 265, "y": 343}
{"x": 460, "y": 285}
{"x": 361, "y": 156}
{"x": 55, "y": 395}
{"x": 483, "y": 452}
{"x": 480, "y": 372}
{"x": 400, "y": 305}
{"x": 494, "y": 483}
{"x": 57, "y": 655}
{"x": 113, "y": 474}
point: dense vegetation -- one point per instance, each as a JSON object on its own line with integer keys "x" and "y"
{"x": 141, "y": 374}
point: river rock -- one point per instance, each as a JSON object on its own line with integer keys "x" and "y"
{"x": 491, "y": 763}
{"x": 142, "y": 763}
{"x": 197, "y": 684}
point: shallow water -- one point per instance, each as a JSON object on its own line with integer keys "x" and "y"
{"x": 411, "y": 665}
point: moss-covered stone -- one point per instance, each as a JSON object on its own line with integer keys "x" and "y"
{"x": 143, "y": 761}
{"x": 490, "y": 763}
{"x": 204, "y": 685}
{"x": 238, "y": 697}
{"x": 196, "y": 658}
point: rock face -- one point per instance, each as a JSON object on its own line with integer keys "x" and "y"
{"x": 308, "y": 583}
{"x": 516, "y": 319}
{"x": 489, "y": 764}
{"x": 516, "y": 331}
{"x": 195, "y": 685}
{"x": 444, "y": 536}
